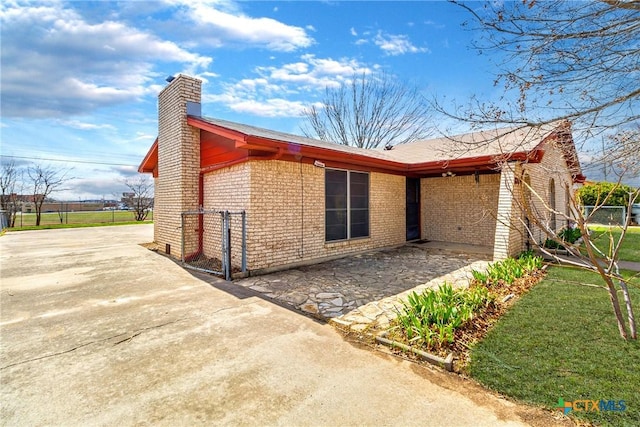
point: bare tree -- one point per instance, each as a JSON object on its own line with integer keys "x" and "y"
{"x": 10, "y": 182}
{"x": 570, "y": 62}
{"x": 539, "y": 222}
{"x": 557, "y": 60}
{"x": 140, "y": 198}
{"x": 368, "y": 112}
{"x": 45, "y": 180}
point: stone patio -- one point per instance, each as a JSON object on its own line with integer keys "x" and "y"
{"x": 363, "y": 289}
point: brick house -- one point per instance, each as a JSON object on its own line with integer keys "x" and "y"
{"x": 307, "y": 200}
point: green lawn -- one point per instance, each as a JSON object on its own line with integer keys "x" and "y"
{"x": 630, "y": 250}
{"x": 560, "y": 341}
{"x": 55, "y": 226}
{"x": 88, "y": 217}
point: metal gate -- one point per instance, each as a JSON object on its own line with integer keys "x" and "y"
{"x": 215, "y": 241}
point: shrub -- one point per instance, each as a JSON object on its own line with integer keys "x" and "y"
{"x": 568, "y": 234}
{"x": 430, "y": 318}
{"x": 508, "y": 270}
{"x": 594, "y": 194}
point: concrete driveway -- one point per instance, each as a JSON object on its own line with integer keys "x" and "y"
{"x": 97, "y": 330}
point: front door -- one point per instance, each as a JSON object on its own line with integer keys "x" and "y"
{"x": 413, "y": 208}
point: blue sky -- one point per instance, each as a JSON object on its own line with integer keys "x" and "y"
{"x": 79, "y": 79}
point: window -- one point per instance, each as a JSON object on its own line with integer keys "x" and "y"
{"x": 346, "y": 204}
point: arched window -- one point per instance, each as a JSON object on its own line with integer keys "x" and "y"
{"x": 552, "y": 204}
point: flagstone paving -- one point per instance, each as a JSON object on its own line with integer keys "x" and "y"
{"x": 363, "y": 288}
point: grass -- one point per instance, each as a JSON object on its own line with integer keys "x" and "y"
{"x": 72, "y": 218}
{"x": 55, "y": 226}
{"x": 561, "y": 341}
{"x": 630, "y": 250}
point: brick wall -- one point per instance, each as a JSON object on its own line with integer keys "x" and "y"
{"x": 178, "y": 161}
{"x": 457, "y": 209}
{"x": 226, "y": 189}
{"x": 285, "y": 212}
{"x": 553, "y": 166}
{"x": 507, "y": 218}
{"x": 552, "y": 172}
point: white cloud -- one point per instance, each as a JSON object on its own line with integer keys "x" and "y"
{"x": 274, "y": 107}
{"x": 434, "y": 24}
{"x": 353, "y": 31}
{"x": 397, "y": 44}
{"x": 86, "y": 126}
{"x": 141, "y": 136}
{"x": 265, "y": 94}
{"x": 57, "y": 64}
{"x": 218, "y": 25}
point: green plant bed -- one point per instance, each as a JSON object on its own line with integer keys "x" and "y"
{"x": 560, "y": 341}
{"x": 447, "y": 321}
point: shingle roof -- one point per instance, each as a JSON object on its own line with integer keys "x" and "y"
{"x": 295, "y": 139}
{"x": 478, "y": 144}
{"x": 470, "y": 145}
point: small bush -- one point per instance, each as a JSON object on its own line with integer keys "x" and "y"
{"x": 568, "y": 234}
{"x": 429, "y": 319}
{"x": 508, "y": 270}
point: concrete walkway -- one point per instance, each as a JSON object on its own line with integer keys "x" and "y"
{"x": 97, "y": 331}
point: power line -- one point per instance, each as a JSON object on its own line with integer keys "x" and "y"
{"x": 31, "y": 148}
{"x": 68, "y": 161}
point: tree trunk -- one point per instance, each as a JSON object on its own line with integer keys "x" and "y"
{"x": 630, "y": 316}
{"x": 616, "y": 308}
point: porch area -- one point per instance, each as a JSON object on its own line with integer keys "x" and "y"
{"x": 334, "y": 288}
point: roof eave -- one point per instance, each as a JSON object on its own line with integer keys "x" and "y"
{"x": 150, "y": 162}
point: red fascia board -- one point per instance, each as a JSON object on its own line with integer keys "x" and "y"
{"x": 218, "y": 130}
{"x": 321, "y": 153}
{"x": 579, "y": 179}
{"x": 256, "y": 143}
{"x": 470, "y": 162}
{"x": 150, "y": 161}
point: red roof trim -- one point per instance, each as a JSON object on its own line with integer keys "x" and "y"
{"x": 218, "y": 130}
{"x": 150, "y": 162}
{"x": 281, "y": 149}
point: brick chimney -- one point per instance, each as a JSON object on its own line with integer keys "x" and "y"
{"x": 178, "y": 160}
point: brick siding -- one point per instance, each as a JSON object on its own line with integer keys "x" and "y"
{"x": 459, "y": 210}
{"x": 178, "y": 161}
{"x": 284, "y": 202}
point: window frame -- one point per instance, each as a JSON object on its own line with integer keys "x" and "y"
{"x": 349, "y": 208}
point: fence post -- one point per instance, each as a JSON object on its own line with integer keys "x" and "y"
{"x": 228, "y": 254}
{"x": 182, "y": 237}
{"x": 244, "y": 241}
{"x": 223, "y": 244}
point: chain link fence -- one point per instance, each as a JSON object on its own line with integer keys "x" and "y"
{"x": 215, "y": 241}
{"x": 607, "y": 215}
